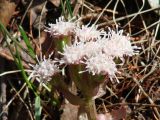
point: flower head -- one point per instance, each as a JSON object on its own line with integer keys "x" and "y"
{"x": 44, "y": 69}
{"x": 101, "y": 64}
{"x": 79, "y": 50}
{"x": 94, "y": 48}
{"x": 87, "y": 33}
{"x": 61, "y": 27}
{"x": 98, "y": 54}
{"x": 118, "y": 44}
{"x": 74, "y": 53}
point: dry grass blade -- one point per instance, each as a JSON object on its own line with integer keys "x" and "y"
{"x": 150, "y": 100}
{"x": 134, "y": 96}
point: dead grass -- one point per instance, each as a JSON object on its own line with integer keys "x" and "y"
{"x": 136, "y": 97}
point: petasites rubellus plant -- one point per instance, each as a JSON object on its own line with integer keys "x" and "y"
{"x": 87, "y": 57}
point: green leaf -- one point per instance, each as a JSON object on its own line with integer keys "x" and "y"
{"x": 17, "y": 57}
{"x": 63, "y": 9}
{"x": 69, "y": 7}
{"x": 27, "y": 42}
{"x": 38, "y": 108}
{"x": 20, "y": 66}
{"x": 6, "y": 33}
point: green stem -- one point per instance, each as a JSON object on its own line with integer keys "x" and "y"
{"x": 90, "y": 109}
{"x": 61, "y": 86}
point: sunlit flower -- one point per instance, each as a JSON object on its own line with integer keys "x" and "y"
{"x": 61, "y": 27}
{"x": 79, "y": 50}
{"x": 92, "y": 48}
{"x": 98, "y": 54}
{"x": 101, "y": 64}
{"x": 118, "y": 45}
{"x": 74, "y": 53}
{"x": 87, "y": 33}
{"x": 44, "y": 69}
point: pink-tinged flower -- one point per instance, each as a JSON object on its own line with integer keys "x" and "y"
{"x": 117, "y": 45}
{"x": 92, "y": 48}
{"x": 73, "y": 54}
{"x": 87, "y": 33}
{"x": 44, "y": 69}
{"x": 101, "y": 64}
{"x": 61, "y": 27}
{"x": 97, "y": 50}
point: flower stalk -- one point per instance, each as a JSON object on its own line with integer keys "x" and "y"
{"x": 91, "y": 109}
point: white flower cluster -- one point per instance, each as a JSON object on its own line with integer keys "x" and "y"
{"x": 61, "y": 28}
{"x": 44, "y": 69}
{"x": 87, "y": 33}
{"x": 91, "y": 47}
